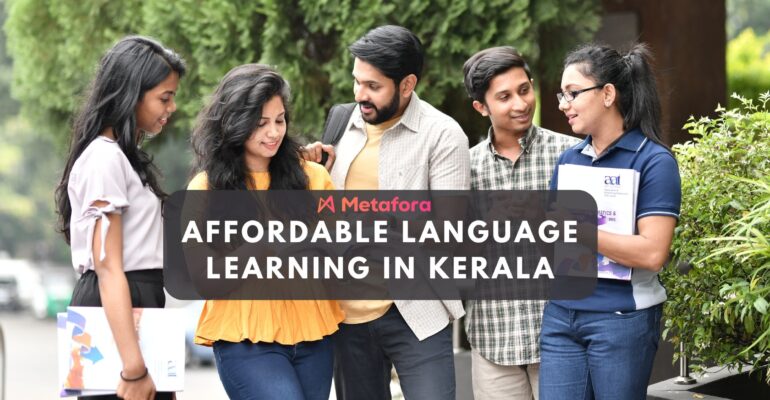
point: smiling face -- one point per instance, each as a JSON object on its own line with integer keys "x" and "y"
{"x": 586, "y": 111}
{"x": 156, "y": 106}
{"x": 509, "y": 102}
{"x": 267, "y": 136}
{"x": 376, "y": 94}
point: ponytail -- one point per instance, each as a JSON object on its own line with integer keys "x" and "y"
{"x": 633, "y": 78}
{"x": 643, "y": 103}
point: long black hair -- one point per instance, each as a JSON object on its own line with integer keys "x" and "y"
{"x": 126, "y": 72}
{"x": 228, "y": 121}
{"x": 633, "y": 78}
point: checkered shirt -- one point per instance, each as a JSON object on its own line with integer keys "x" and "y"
{"x": 507, "y": 332}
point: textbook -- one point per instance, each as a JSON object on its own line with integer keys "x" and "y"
{"x": 615, "y": 191}
{"x": 88, "y": 359}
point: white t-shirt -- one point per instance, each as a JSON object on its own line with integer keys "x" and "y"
{"x": 103, "y": 173}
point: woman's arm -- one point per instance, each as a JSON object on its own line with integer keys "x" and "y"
{"x": 649, "y": 249}
{"x": 116, "y": 301}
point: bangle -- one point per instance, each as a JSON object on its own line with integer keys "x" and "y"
{"x": 139, "y": 378}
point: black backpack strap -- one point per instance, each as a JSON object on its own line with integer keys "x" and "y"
{"x": 336, "y": 122}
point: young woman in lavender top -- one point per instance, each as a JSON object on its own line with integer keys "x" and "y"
{"x": 109, "y": 199}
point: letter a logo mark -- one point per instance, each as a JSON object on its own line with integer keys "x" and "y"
{"x": 326, "y": 203}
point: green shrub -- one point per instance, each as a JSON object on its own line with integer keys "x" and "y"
{"x": 748, "y": 65}
{"x": 720, "y": 308}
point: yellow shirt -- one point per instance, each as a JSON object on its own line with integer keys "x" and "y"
{"x": 363, "y": 174}
{"x": 364, "y": 171}
{"x": 282, "y": 321}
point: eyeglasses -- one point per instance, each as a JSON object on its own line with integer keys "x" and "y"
{"x": 572, "y": 94}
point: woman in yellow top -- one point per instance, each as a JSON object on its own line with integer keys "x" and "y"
{"x": 266, "y": 349}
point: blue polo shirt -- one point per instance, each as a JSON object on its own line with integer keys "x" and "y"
{"x": 660, "y": 193}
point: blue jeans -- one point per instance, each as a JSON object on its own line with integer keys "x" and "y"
{"x": 364, "y": 354}
{"x": 267, "y": 371}
{"x": 597, "y": 355}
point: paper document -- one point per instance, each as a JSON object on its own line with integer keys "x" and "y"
{"x": 615, "y": 191}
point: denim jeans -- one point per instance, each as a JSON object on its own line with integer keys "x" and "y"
{"x": 268, "y": 371}
{"x": 597, "y": 355}
{"x": 364, "y": 354}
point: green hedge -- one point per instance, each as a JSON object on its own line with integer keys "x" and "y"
{"x": 719, "y": 309}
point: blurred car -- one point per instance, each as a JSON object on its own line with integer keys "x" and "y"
{"x": 195, "y": 354}
{"x": 53, "y": 291}
{"x": 24, "y": 274}
{"x": 9, "y": 293}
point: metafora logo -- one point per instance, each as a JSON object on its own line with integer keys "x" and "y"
{"x": 354, "y": 204}
{"x": 612, "y": 180}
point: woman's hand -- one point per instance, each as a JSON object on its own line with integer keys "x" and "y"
{"x": 142, "y": 389}
{"x": 649, "y": 249}
{"x": 116, "y": 301}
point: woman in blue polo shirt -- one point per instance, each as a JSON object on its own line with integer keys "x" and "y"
{"x": 603, "y": 346}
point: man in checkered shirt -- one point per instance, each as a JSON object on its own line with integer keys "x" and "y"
{"x": 516, "y": 155}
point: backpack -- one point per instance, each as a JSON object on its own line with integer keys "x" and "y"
{"x": 335, "y": 125}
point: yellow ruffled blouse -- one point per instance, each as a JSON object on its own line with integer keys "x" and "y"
{"x": 282, "y": 321}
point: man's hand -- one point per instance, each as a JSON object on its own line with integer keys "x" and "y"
{"x": 314, "y": 152}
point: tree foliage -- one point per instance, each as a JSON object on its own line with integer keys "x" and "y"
{"x": 8, "y": 106}
{"x": 28, "y": 165}
{"x": 719, "y": 309}
{"x": 55, "y": 45}
{"x": 29, "y": 169}
{"x": 743, "y": 14}
{"x": 748, "y": 65}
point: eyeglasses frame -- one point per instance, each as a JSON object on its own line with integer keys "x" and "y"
{"x": 562, "y": 96}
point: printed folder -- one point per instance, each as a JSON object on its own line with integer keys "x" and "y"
{"x": 89, "y": 362}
